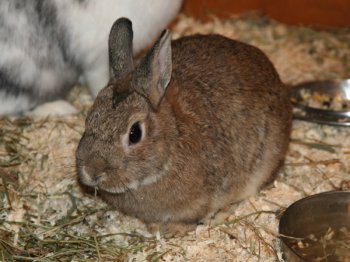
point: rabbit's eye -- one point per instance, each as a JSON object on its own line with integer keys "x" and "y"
{"x": 135, "y": 133}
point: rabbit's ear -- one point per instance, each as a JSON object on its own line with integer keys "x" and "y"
{"x": 120, "y": 48}
{"x": 153, "y": 75}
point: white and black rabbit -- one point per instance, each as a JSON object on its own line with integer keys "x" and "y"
{"x": 201, "y": 122}
{"x": 47, "y": 45}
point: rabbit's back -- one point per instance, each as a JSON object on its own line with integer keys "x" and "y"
{"x": 216, "y": 61}
{"x": 239, "y": 108}
{"x": 229, "y": 79}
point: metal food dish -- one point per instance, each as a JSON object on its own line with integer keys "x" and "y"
{"x": 333, "y": 89}
{"x": 305, "y": 224}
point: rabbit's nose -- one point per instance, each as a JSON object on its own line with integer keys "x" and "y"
{"x": 90, "y": 176}
{"x": 92, "y": 173}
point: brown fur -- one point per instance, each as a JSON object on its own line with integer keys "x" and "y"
{"x": 220, "y": 131}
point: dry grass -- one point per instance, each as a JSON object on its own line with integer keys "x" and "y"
{"x": 44, "y": 216}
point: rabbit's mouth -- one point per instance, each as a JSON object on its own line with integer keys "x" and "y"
{"x": 132, "y": 185}
{"x": 99, "y": 182}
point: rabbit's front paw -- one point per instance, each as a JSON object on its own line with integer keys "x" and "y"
{"x": 171, "y": 229}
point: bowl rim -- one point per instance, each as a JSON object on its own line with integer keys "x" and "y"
{"x": 319, "y": 115}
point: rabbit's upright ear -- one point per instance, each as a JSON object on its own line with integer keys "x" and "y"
{"x": 153, "y": 75}
{"x": 120, "y": 48}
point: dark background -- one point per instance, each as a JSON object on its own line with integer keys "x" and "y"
{"x": 317, "y": 13}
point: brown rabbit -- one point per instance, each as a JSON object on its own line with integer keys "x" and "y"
{"x": 201, "y": 122}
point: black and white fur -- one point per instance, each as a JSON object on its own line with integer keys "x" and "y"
{"x": 47, "y": 45}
